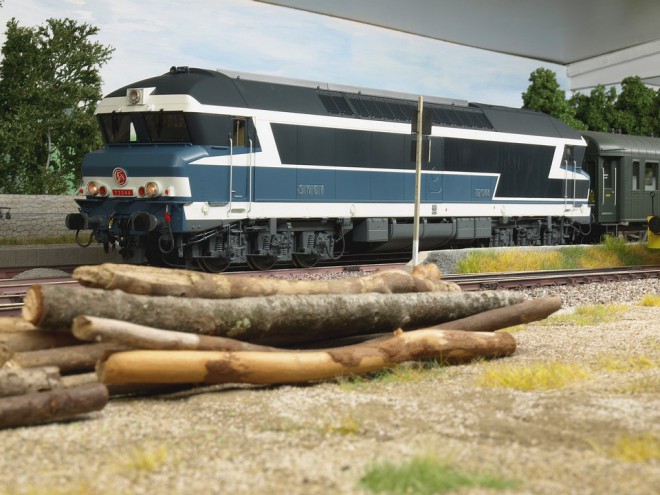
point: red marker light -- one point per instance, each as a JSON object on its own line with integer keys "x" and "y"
{"x": 168, "y": 217}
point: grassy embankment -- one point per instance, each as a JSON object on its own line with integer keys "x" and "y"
{"x": 612, "y": 252}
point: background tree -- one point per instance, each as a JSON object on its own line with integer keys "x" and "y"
{"x": 545, "y": 95}
{"x": 636, "y": 106}
{"x": 596, "y": 111}
{"x": 49, "y": 87}
{"x": 635, "y": 111}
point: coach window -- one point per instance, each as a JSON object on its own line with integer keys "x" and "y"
{"x": 650, "y": 176}
{"x": 635, "y": 175}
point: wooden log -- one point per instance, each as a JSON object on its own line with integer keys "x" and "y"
{"x": 45, "y": 407}
{"x": 486, "y": 321}
{"x": 297, "y": 367}
{"x": 34, "y": 340}
{"x": 148, "y": 280}
{"x": 13, "y": 324}
{"x": 507, "y": 316}
{"x": 79, "y": 379}
{"x": 95, "y": 329}
{"x": 270, "y": 320}
{"x": 71, "y": 359}
{"x": 16, "y": 381}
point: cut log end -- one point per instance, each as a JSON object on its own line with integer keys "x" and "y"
{"x": 33, "y": 309}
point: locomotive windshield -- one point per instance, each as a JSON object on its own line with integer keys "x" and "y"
{"x": 152, "y": 127}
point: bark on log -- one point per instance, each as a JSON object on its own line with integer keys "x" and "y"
{"x": 12, "y": 324}
{"x": 79, "y": 379}
{"x": 44, "y": 407}
{"x": 267, "y": 320}
{"x": 148, "y": 280}
{"x": 298, "y": 367}
{"x": 72, "y": 359}
{"x": 508, "y": 316}
{"x": 95, "y": 329}
{"x": 18, "y": 381}
{"x": 486, "y": 321}
{"x": 34, "y": 340}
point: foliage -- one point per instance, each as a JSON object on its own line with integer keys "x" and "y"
{"x": 424, "y": 475}
{"x": 596, "y": 111}
{"x": 545, "y": 95}
{"x": 635, "y": 107}
{"x": 636, "y": 110}
{"x": 49, "y": 87}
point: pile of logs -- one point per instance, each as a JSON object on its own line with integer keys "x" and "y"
{"x": 140, "y": 326}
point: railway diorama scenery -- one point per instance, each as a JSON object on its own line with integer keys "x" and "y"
{"x": 270, "y": 285}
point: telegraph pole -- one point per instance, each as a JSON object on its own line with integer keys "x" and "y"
{"x": 421, "y": 131}
{"x": 418, "y": 181}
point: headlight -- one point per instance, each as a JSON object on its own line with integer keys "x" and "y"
{"x": 96, "y": 189}
{"x": 152, "y": 189}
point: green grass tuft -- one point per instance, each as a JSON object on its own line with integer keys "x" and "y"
{"x": 426, "y": 475}
{"x": 652, "y": 300}
{"x": 528, "y": 377}
{"x": 588, "y": 315}
{"x": 614, "y": 251}
{"x": 643, "y": 447}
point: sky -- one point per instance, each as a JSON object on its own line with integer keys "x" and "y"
{"x": 149, "y": 36}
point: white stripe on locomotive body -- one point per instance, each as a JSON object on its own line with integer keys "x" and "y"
{"x": 256, "y": 210}
{"x": 269, "y": 157}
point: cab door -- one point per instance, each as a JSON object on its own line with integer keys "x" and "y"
{"x": 608, "y": 180}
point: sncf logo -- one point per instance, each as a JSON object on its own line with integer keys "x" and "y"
{"x": 119, "y": 174}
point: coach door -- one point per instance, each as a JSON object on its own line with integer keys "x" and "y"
{"x": 608, "y": 179}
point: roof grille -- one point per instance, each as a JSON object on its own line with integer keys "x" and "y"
{"x": 392, "y": 109}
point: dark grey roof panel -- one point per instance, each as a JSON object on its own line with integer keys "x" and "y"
{"x": 623, "y": 144}
{"x": 519, "y": 121}
{"x": 216, "y": 88}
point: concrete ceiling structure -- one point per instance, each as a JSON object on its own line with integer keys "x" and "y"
{"x": 598, "y": 41}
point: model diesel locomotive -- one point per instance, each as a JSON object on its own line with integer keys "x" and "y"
{"x": 205, "y": 169}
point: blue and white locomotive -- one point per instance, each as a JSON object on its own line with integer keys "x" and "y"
{"x": 206, "y": 169}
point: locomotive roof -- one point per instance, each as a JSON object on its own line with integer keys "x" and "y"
{"x": 286, "y": 95}
{"x": 620, "y": 144}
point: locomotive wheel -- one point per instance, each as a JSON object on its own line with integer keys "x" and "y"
{"x": 304, "y": 260}
{"x": 213, "y": 265}
{"x": 260, "y": 261}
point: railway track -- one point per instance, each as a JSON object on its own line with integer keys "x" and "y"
{"x": 12, "y": 291}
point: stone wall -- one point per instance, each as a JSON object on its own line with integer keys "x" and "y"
{"x": 35, "y": 216}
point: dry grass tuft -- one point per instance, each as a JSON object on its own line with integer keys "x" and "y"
{"x": 528, "y": 377}
{"x": 643, "y": 447}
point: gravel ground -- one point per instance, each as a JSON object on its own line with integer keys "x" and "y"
{"x": 320, "y": 439}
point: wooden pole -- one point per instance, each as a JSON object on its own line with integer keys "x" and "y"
{"x": 149, "y": 280}
{"x": 16, "y": 381}
{"x": 298, "y": 367}
{"x": 97, "y": 329}
{"x": 71, "y": 359}
{"x": 272, "y": 320}
{"x": 418, "y": 181}
{"x": 45, "y": 407}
